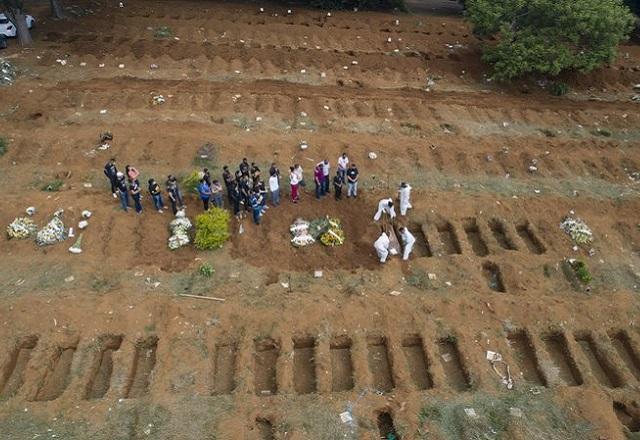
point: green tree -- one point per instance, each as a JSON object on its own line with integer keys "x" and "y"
{"x": 549, "y": 36}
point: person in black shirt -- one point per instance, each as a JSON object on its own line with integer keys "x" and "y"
{"x": 206, "y": 175}
{"x": 244, "y": 167}
{"x": 228, "y": 181}
{"x": 111, "y": 171}
{"x": 234, "y": 194}
{"x": 255, "y": 172}
{"x": 352, "y": 181}
{"x": 174, "y": 194}
{"x": 156, "y": 195}
{"x": 123, "y": 192}
{"x": 245, "y": 192}
{"x": 274, "y": 170}
{"x": 337, "y": 185}
{"x": 134, "y": 187}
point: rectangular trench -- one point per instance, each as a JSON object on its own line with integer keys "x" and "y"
{"x": 13, "y": 374}
{"x": 143, "y": 364}
{"x": 224, "y": 368}
{"x": 304, "y": 365}
{"x": 564, "y": 366}
{"x": 475, "y": 238}
{"x": 525, "y": 356}
{"x": 417, "y": 362}
{"x": 530, "y": 239}
{"x": 455, "y": 373}
{"x": 341, "y": 364}
{"x": 500, "y": 234}
{"x": 57, "y": 378}
{"x": 601, "y": 367}
{"x": 379, "y": 363}
{"x": 265, "y": 361}
{"x": 100, "y": 380}
{"x": 622, "y": 343}
{"x": 449, "y": 239}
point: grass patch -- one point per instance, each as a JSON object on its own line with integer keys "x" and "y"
{"x": 559, "y": 88}
{"x": 582, "y": 271}
{"x": 206, "y": 156}
{"x": 601, "y": 132}
{"x": 419, "y": 279}
{"x": 102, "y": 284}
{"x": 4, "y": 145}
{"x": 206, "y": 270}
{"x": 516, "y": 414}
{"x": 53, "y": 186}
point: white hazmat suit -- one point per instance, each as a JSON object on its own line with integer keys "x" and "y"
{"x": 382, "y": 247}
{"x": 404, "y": 193}
{"x": 383, "y": 206}
{"x": 408, "y": 240}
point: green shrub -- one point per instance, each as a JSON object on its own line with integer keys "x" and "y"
{"x": 559, "y": 88}
{"x": 206, "y": 270}
{"x": 549, "y": 36}
{"x": 191, "y": 181}
{"x": 53, "y": 186}
{"x": 212, "y": 229}
{"x": 4, "y": 145}
{"x": 582, "y": 271}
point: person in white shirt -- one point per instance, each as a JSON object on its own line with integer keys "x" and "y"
{"x": 274, "y": 188}
{"x": 298, "y": 170}
{"x": 404, "y": 193}
{"x": 382, "y": 246}
{"x": 326, "y": 169}
{"x": 294, "y": 181}
{"x": 408, "y": 240}
{"x": 343, "y": 164}
{"x": 385, "y": 206}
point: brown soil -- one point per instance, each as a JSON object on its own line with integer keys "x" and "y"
{"x": 100, "y": 345}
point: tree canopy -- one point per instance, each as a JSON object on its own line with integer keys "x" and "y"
{"x": 549, "y": 36}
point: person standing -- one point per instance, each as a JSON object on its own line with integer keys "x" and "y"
{"x": 261, "y": 190}
{"x": 205, "y": 193}
{"x": 318, "y": 180}
{"x": 293, "y": 181}
{"x": 134, "y": 187}
{"x": 404, "y": 194}
{"x": 381, "y": 246}
{"x": 352, "y": 181}
{"x": 343, "y": 165}
{"x": 244, "y": 167}
{"x": 408, "y": 240}
{"x": 338, "y": 181}
{"x": 299, "y": 173}
{"x": 274, "y": 169}
{"x": 174, "y": 194}
{"x": 229, "y": 180}
{"x": 326, "y": 170}
{"x": 234, "y": 193}
{"x": 206, "y": 175}
{"x": 274, "y": 187}
{"x": 123, "y": 191}
{"x": 256, "y": 208}
{"x": 132, "y": 172}
{"x": 385, "y": 206}
{"x": 245, "y": 191}
{"x": 111, "y": 171}
{"x": 156, "y": 196}
{"x": 216, "y": 194}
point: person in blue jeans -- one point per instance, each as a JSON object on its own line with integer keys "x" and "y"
{"x": 134, "y": 187}
{"x": 318, "y": 180}
{"x": 123, "y": 191}
{"x": 205, "y": 193}
{"x": 256, "y": 207}
{"x": 174, "y": 194}
{"x": 216, "y": 194}
{"x": 156, "y": 195}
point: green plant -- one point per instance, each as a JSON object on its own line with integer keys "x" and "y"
{"x": 582, "y": 271}
{"x": 549, "y": 36}
{"x": 559, "y": 88}
{"x": 212, "y": 228}
{"x": 601, "y": 132}
{"x": 163, "y": 32}
{"x": 190, "y": 181}
{"x": 53, "y": 186}
{"x": 4, "y": 145}
{"x": 420, "y": 279}
{"x": 206, "y": 270}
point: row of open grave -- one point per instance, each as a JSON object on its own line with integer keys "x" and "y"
{"x": 309, "y": 364}
{"x": 482, "y": 239}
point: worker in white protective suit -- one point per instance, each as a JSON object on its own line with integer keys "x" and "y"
{"x": 404, "y": 193}
{"x": 408, "y": 241}
{"x": 385, "y": 206}
{"x": 382, "y": 246}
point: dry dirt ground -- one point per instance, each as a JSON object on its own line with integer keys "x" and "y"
{"x": 100, "y": 345}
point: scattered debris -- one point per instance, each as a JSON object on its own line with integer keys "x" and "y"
{"x": 211, "y": 298}
{"x": 372, "y": 155}
{"x": 86, "y": 213}
{"x": 69, "y": 279}
{"x": 496, "y": 360}
{"x": 77, "y": 246}
{"x": 158, "y": 99}
{"x": 304, "y": 145}
{"x": 317, "y": 274}
{"x": 395, "y": 293}
{"x": 83, "y": 224}
{"x": 7, "y": 72}
{"x": 30, "y": 210}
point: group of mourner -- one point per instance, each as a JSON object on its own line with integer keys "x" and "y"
{"x": 247, "y": 192}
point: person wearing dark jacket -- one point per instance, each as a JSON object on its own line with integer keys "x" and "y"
{"x": 111, "y": 171}
{"x": 174, "y": 194}
{"x": 123, "y": 191}
{"x": 338, "y": 181}
{"x": 134, "y": 187}
{"x": 156, "y": 195}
